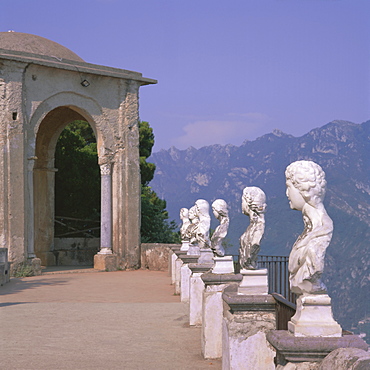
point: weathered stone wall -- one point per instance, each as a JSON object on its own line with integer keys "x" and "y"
{"x": 75, "y": 251}
{"x": 156, "y": 256}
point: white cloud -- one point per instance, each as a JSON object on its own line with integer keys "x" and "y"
{"x": 233, "y": 129}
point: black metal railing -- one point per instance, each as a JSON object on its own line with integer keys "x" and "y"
{"x": 278, "y": 274}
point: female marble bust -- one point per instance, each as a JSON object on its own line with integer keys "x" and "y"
{"x": 306, "y": 185}
{"x": 202, "y": 233}
{"x": 254, "y": 206}
{"x": 184, "y": 216}
{"x": 193, "y": 226}
{"x": 221, "y": 212}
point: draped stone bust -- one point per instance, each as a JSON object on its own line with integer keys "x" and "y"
{"x": 254, "y": 206}
{"x": 221, "y": 212}
{"x": 306, "y": 187}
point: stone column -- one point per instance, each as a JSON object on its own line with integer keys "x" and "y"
{"x": 105, "y": 259}
{"x": 106, "y": 209}
{"x": 30, "y": 210}
{"x": 212, "y": 312}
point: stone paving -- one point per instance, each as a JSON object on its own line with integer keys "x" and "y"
{"x": 97, "y": 320}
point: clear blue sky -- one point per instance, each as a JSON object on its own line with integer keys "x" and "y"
{"x": 227, "y": 71}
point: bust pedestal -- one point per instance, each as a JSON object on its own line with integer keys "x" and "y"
{"x": 193, "y": 250}
{"x": 184, "y": 246}
{"x": 254, "y": 282}
{"x": 314, "y": 317}
{"x": 206, "y": 255}
{"x": 223, "y": 265}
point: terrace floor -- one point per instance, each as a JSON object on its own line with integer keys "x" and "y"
{"x": 79, "y": 319}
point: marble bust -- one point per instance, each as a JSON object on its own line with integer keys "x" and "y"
{"x": 193, "y": 225}
{"x": 221, "y": 212}
{"x": 184, "y": 216}
{"x": 254, "y": 206}
{"x": 202, "y": 232}
{"x": 306, "y": 185}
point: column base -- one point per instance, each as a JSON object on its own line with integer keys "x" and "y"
{"x": 105, "y": 262}
{"x": 105, "y": 251}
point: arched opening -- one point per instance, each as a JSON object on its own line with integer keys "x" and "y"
{"x": 44, "y": 176}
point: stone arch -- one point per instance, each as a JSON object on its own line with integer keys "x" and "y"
{"x": 47, "y": 135}
{"x": 86, "y": 107}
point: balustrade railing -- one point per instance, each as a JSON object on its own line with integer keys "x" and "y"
{"x": 278, "y": 275}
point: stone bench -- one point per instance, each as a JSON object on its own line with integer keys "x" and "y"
{"x": 4, "y": 266}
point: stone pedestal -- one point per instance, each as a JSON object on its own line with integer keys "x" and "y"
{"x": 314, "y": 317}
{"x": 206, "y": 255}
{"x": 254, "y": 282}
{"x": 178, "y": 265}
{"x": 212, "y": 312}
{"x": 223, "y": 265}
{"x": 308, "y": 349}
{"x": 173, "y": 261}
{"x": 193, "y": 250}
{"x": 196, "y": 292}
{"x": 185, "y": 274}
{"x": 184, "y": 246}
{"x": 247, "y": 319}
{"x": 105, "y": 262}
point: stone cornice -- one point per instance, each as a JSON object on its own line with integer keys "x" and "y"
{"x": 242, "y": 302}
{"x": 71, "y": 65}
{"x": 217, "y": 279}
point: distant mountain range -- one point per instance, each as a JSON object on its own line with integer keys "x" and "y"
{"x": 341, "y": 148}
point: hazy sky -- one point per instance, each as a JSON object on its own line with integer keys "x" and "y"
{"x": 227, "y": 71}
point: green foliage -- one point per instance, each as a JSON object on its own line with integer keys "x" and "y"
{"x": 154, "y": 225}
{"x": 146, "y": 138}
{"x": 23, "y": 270}
{"x": 77, "y": 182}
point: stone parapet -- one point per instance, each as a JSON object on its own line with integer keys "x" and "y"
{"x": 212, "y": 311}
{"x": 247, "y": 319}
{"x": 185, "y": 274}
{"x": 196, "y": 292}
{"x": 157, "y": 256}
{"x": 309, "y": 349}
{"x": 241, "y": 303}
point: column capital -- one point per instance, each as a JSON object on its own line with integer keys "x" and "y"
{"x": 105, "y": 168}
